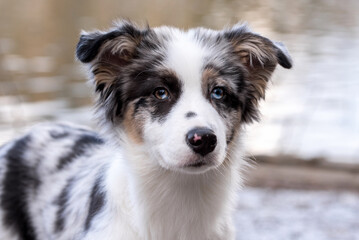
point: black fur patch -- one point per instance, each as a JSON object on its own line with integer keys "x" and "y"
{"x": 97, "y": 200}
{"x": 19, "y": 179}
{"x": 190, "y": 114}
{"x": 144, "y": 84}
{"x": 79, "y": 149}
{"x": 61, "y": 201}
{"x": 283, "y": 58}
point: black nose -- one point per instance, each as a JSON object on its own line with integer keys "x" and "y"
{"x": 201, "y": 140}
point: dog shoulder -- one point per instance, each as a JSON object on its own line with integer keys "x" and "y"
{"x": 29, "y": 161}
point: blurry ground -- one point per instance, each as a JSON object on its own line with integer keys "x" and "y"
{"x": 267, "y": 214}
{"x": 287, "y": 198}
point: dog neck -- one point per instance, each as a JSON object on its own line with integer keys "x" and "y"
{"x": 165, "y": 204}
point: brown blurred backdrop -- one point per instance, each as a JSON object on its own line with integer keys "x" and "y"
{"x": 309, "y": 134}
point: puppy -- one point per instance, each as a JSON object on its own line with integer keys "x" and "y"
{"x": 171, "y": 106}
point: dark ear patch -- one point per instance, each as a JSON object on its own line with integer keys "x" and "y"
{"x": 89, "y": 45}
{"x": 254, "y": 51}
{"x": 109, "y": 53}
{"x": 123, "y": 39}
{"x": 283, "y": 56}
{"x": 260, "y": 56}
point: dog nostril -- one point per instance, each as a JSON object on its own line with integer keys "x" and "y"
{"x": 213, "y": 140}
{"x": 198, "y": 143}
{"x": 201, "y": 140}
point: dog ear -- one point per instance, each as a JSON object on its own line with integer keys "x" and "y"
{"x": 119, "y": 43}
{"x": 259, "y": 55}
{"x": 107, "y": 53}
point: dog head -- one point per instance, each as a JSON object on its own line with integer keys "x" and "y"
{"x": 181, "y": 94}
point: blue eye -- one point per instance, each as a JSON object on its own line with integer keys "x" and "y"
{"x": 217, "y": 93}
{"x": 161, "y": 93}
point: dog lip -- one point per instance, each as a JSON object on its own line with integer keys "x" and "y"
{"x": 196, "y": 164}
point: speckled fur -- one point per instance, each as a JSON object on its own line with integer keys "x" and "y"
{"x": 132, "y": 180}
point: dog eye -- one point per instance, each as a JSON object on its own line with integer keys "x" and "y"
{"x": 217, "y": 93}
{"x": 161, "y": 93}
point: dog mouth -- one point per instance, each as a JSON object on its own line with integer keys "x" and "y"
{"x": 200, "y": 162}
{"x": 198, "y": 167}
{"x": 196, "y": 164}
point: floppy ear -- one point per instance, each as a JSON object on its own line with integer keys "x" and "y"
{"x": 123, "y": 38}
{"x": 107, "y": 53}
{"x": 259, "y": 55}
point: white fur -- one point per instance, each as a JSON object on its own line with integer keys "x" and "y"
{"x": 152, "y": 203}
{"x": 149, "y": 193}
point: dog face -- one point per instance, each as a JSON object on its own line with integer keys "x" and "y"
{"x": 183, "y": 95}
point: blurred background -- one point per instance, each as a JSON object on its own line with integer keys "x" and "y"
{"x": 305, "y": 150}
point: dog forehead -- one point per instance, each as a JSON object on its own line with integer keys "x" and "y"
{"x": 186, "y": 55}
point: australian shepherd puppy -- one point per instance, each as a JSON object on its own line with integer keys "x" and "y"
{"x": 171, "y": 106}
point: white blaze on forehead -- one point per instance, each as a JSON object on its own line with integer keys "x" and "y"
{"x": 186, "y": 56}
